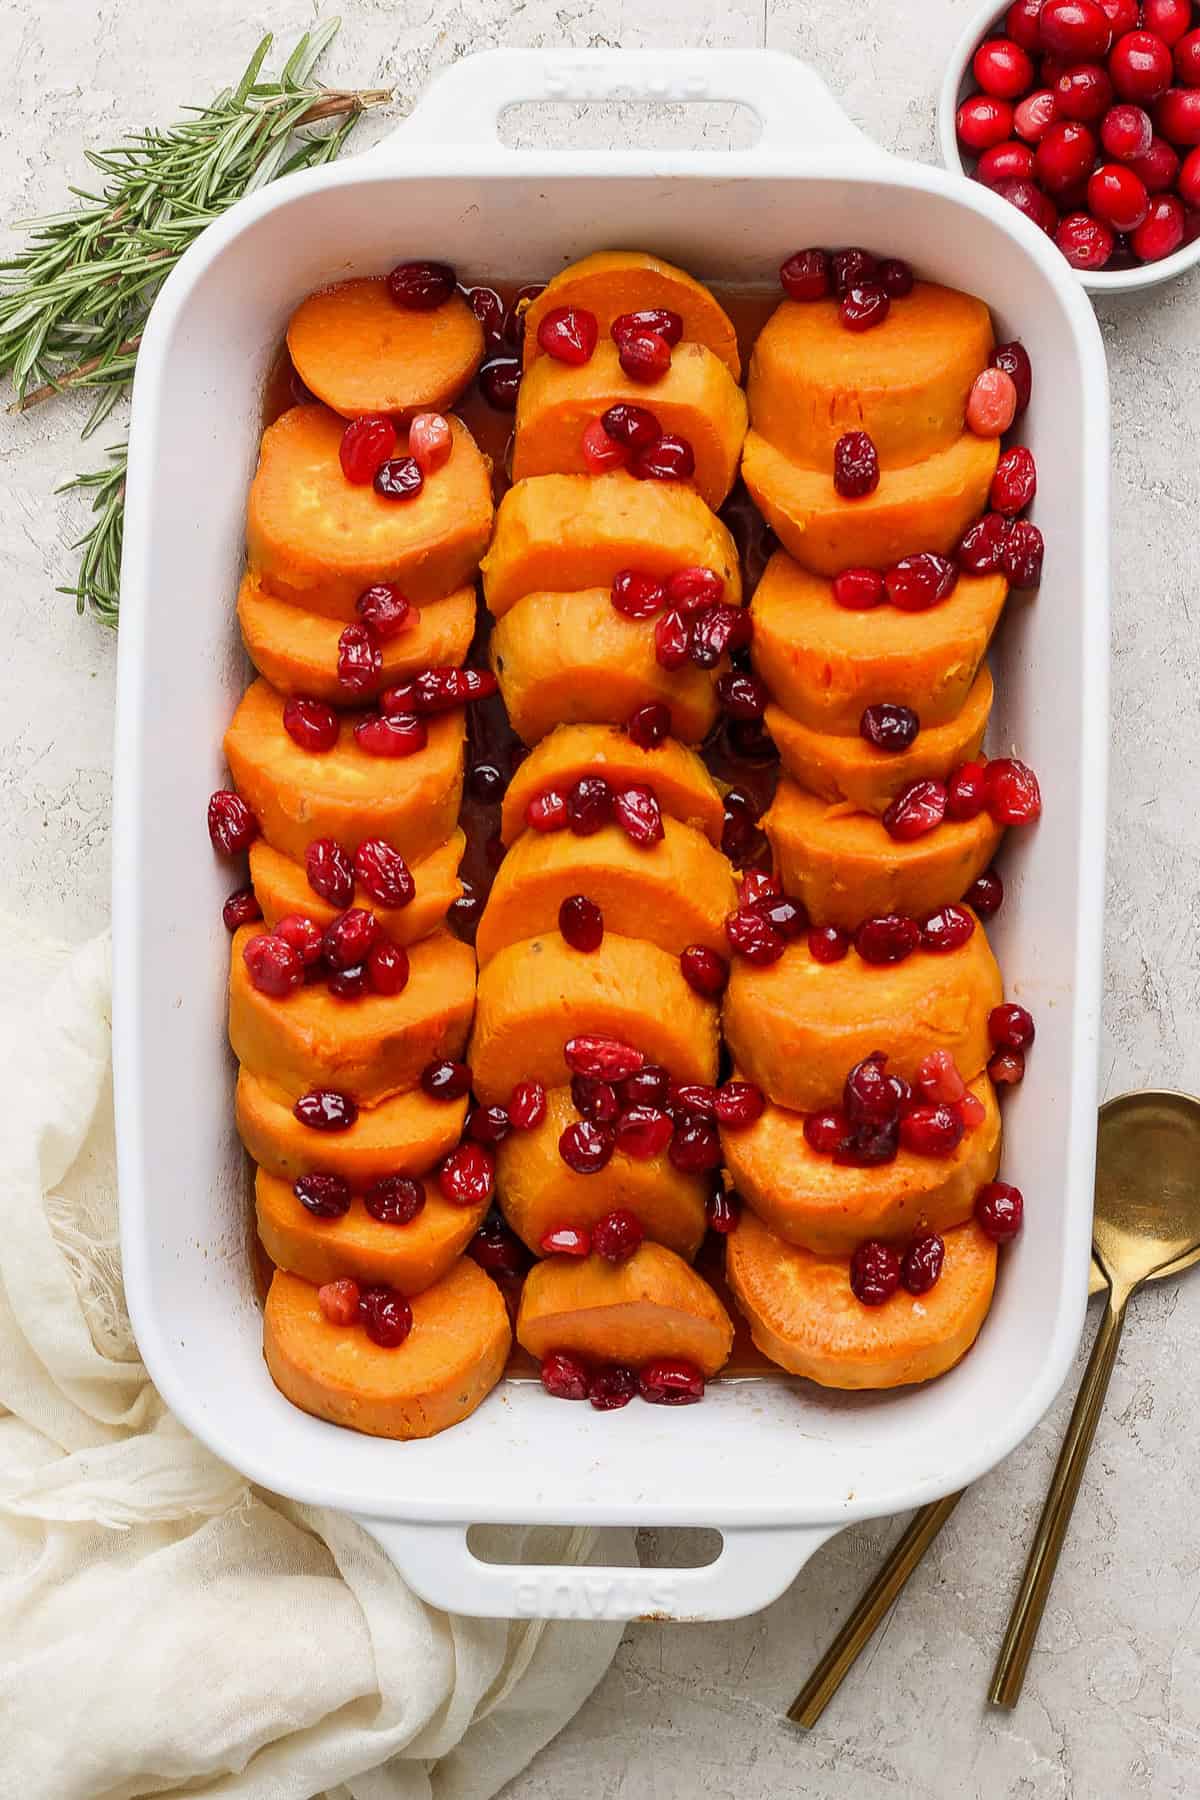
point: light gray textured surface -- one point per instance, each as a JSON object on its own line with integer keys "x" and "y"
{"x": 1112, "y": 1707}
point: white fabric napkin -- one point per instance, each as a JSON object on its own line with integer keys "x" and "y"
{"x": 164, "y": 1626}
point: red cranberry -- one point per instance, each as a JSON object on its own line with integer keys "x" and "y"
{"x": 386, "y": 611}
{"x": 805, "y": 275}
{"x": 1005, "y": 162}
{"x": 946, "y": 929}
{"x": 650, "y": 725}
{"x": 855, "y": 466}
{"x": 1086, "y": 243}
{"x": 919, "y": 808}
{"x": 600, "y": 452}
{"x": 1084, "y": 92}
{"x": 922, "y": 1264}
{"x": 828, "y": 943}
{"x": 304, "y": 935}
{"x": 980, "y": 549}
{"x": 863, "y": 307}
{"x": 722, "y": 1211}
{"x": 648, "y": 1086}
{"x": 669, "y": 1381}
{"x": 887, "y": 939}
{"x": 658, "y": 319}
{"x": 310, "y": 723}
{"x": 635, "y": 427}
{"x": 589, "y": 805}
{"x": 330, "y": 872}
{"x": 636, "y": 595}
{"x": 672, "y": 640}
{"x": 999, "y": 1211}
{"x": 643, "y": 1132}
{"x": 1007, "y": 1068}
{"x": 748, "y": 740}
{"x": 852, "y": 266}
{"x": 339, "y": 1301}
{"x": 931, "y": 1130}
{"x": 1126, "y": 132}
{"x": 938, "y": 1079}
{"x": 383, "y": 873}
{"x": 869, "y": 1146}
{"x": 1065, "y": 156}
{"x": 871, "y": 1096}
{"x": 858, "y": 590}
{"x": 754, "y": 938}
{"x": 704, "y": 971}
{"x": 738, "y": 1104}
{"x": 564, "y": 1377}
{"x": 1003, "y": 69}
{"x": 1141, "y": 67}
{"x": 421, "y": 286}
{"x": 695, "y": 586}
{"x": 466, "y": 1175}
{"x": 349, "y": 937}
{"x": 387, "y": 968}
{"x": 918, "y": 582}
{"x": 547, "y": 812}
{"x": 693, "y": 1097}
{"x": 1032, "y": 119}
{"x": 896, "y": 278}
{"x": 241, "y": 908}
{"x": 486, "y": 783}
{"x": 981, "y": 122}
{"x": 1187, "y": 59}
{"x": 1029, "y": 200}
{"x": 349, "y": 984}
{"x": 399, "y": 478}
{"x": 566, "y": 1240}
{"x": 1118, "y": 196}
{"x": 441, "y": 690}
{"x": 1013, "y": 358}
{"x": 644, "y": 356}
{"x": 742, "y": 696}
{"x": 568, "y": 334}
{"x": 966, "y": 792}
{"x": 741, "y": 840}
{"x": 1023, "y": 554}
{"x": 586, "y": 1147}
{"x": 606, "y": 1058}
{"x": 612, "y": 1387}
{"x": 1160, "y": 169}
{"x": 1013, "y": 794}
{"x": 366, "y": 445}
{"x": 638, "y": 814}
{"x": 616, "y": 1236}
{"x": 1077, "y": 29}
{"x": 594, "y": 1099}
{"x": 1168, "y": 19}
{"x": 985, "y": 895}
{"x": 488, "y": 1125}
{"x": 874, "y": 1272}
{"x": 1161, "y": 231}
{"x": 670, "y": 459}
{"x": 359, "y": 669}
{"x": 446, "y": 1080}
{"x": 273, "y": 966}
{"x": 399, "y": 734}
{"x": 231, "y": 825}
{"x": 324, "y": 1110}
{"x": 785, "y": 914}
{"x": 395, "y": 1199}
{"x": 1014, "y": 483}
{"x": 1011, "y": 1027}
{"x": 824, "y": 1131}
{"x": 716, "y": 630}
{"x": 889, "y": 727}
{"x": 1021, "y": 24}
{"x": 500, "y": 382}
{"x": 1122, "y": 15}
{"x": 757, "y": 884}
{"x": 581, "y": 922}
{"x": 386, "y": 1315}
{"x": 495, "y": 1248}
{"x": 488, "y": 308}
{"x": 527, "y": 1105}
{"x": 696, "y": 1146}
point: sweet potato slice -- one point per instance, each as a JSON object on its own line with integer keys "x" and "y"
{"x": 674, "y": 774}
{"x": 297, "y": 650}
{"x": 404, "y": 1135}
{"x": 538, "y": 1192}
{"x": 409, "y": 1257}
{"x": 824, "y": 663}
{"x": 798, "y": 1027}
{"x": 697, "y": 399}
{"x": 905, "y": 383}
{"x": 567, "y": 659}
{"x": 650, "y": 1306}
{"x": 611, "y": 282}
{"x": 318, "y": 540}
{"x": 344, "y": 794}
{"x": 535, "y": 995}
{"x": 359, "y": 352}
{"x": 676, "y": 894}
{"x": 850, "y": 770}
{"x": 810, "y": 1200}
{"x": 451, "y": 1360}
{"x": 846, "y": 868}
{"x": 281, "y": 887}
{"x": 924, "y": 507}
{"x": 803, "y": 1315}
{"x": 560, "y": 533}
{"x": 368, "y": 1048}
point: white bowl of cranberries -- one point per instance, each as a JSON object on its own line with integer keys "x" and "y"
{"x": 1085, "y": 115}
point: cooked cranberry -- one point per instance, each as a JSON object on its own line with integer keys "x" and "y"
{"x": 606, "y": 1058}
{"x": 1141, "y": 67}
{"x": 670, "y": 459}
{"x": 231, "y": 825}
{"x": 498, "y": 1250}
{"x": 670, "y": 1381}
{"x": 648, "y": 1086}
{"x": 686, "y": 1097}
{"x": 566, "y": 1240}
{"x": 787, "y": 916}
{"x": 922, "y": 1264}
{"x": 399, "y": 478}
{"x": 643, "y": 1132}
{"x": 325, "y": 1196}
{"x": 589, "y": 805}
{"x": 938, "y": 1079}
{"x": 581, "y": 922}
{"x": 864, "y": 306}
{"x": 421, "y": 286}
{"x": 446, "y": 1080}
{"x": 612, "y": 1387}
{"x": 739, "y": 1103}
{"x": 1011, "y": 1027}
{"x": 386, "y": 1315}
{"x": 999, "y": 1211}
{"x": 488, "y": 1125}
{"x": 564, "y": 1377}
{"x": 895, "y": 277}
{"x": 828, "y": 943}
{"x": 324, "y": 1110}
{"x": 633, "y": 426}
{"x": 547, "y": 812}
{"x": 1013, "y": 358}
{"x": 741, "y": 840}
{"x": 568, "y": 334}
{"x": 1160, "y": 170}
{"x": 273, "y": 966}
{"x": 586, "y": 1147}
{"x": 601, "y": 452}
{"x": 1117, "y": 195}
{"x": 351, "y": 983}
{"x": 805, "y": 275}
{"x": 992, "y": 403}
{"x": 650, "y": 725}
{"x": 383, "y": 873}
{"x": 695, "y": 586}
{"x": 824, "y": 1131}
{"x": 985, "y": 894}
{"x": 852, "y": 266}
{"x": 716, "y": 630}
{"x": 637, "y": 595}
{"x": 310, "y": 723}
{"x": 366, "y": 445}
{"x": 889, "y": 727}
{"x": 1030, "y": 200}
{"x": 754, "y": 938}
{"x": 387, "y": 968}
{"x": 1032, "y": 119}
{"x": 971, "y": 1111}
{"x": 616, "y": 1236}
{"x": 704, "y": 971}
{"x": 742, "y": 696}
{"x": 395, "y": 1199}
{"x": 965, "y": 791}
{"x": 639, "y": 816}
{"x": 339, "y": 1301}
{"x": 241, "y": 908}
{"x": 1002, "y": 68}
{"x": 919, "y": 808}
{"x": 980, "y": 549}
{"x": 359, "y": 669}
{"x": 658, "y": 319}
{"x": 486, "y": 783}
{"x": 1013, "y": 794}
{"x": 874, "y": 1272}
{"x": 330, "y": 872}
{"x": 527, "y": 1105}
{"x": 981, "y": 122}
{"x": 946, "y": 929}
{"x": 672, "y": 640}
{"x": 758, "y": 885}
{"x": 918, "y": 582}
{"x": 871, "y": 1096}
{"x": 399, "y": 734}
{"x": 594, "y": 1099}
{"x": 887, "y": 939}
{"x": 349, "y": 937}
{"x": 466, "y": 1175}
{"x": 1023, "y": 552}
{"x": 430, "y": 442}
{"x": 1021, "y": 24}
{"x": 722, "y": 1211}
{"x": 855, "y": 465}
{"x": 931, "y": 1130}
{"x": 500, "y": 382}
{"x": 696, "y": 1146}
{"x": 514, "y": 318}
{"x": 488, "y": 308}
{"x": 1126, "y": 132}
{"x": 869, "y": 1146}
{"x": 644, "y": 356}
{"x": 1161, "y": 231}
{"x": 858, "y": 590}
{"x": 748, "y": 740}
{"x": 1014, "y": 483}
{"x": 440, "y": 690}
{"x": 1007, "y": 1068}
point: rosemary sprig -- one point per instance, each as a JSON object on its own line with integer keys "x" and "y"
{"x": 74, "y": 301}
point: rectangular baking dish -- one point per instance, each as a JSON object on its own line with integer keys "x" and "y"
{"x": 777, "y": 1467}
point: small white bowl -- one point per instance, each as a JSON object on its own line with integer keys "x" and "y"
{"x": 958, "y": 83}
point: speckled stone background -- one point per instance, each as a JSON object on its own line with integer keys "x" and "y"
{"x": 1112, "y": 1706}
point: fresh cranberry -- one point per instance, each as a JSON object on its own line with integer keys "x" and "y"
{"x": 670, "y": 1381}
{"x": 497, "y": 1249}
{"x": 330, "y": 872}
{"x": 1160, "y": 170}
{"x": 648, "y": 1086}
{"x": 1168, "y": 19}
{"x": 716, "y": 630}
{"x": 547, "y": 811}
{"x": 644, "y": 356}
{"x": 1187, "y": 59}
{"x": 1023, "y": 553}
{"x": 1084, "y": 92}
{"x": 398, "y": 734}
{"x": 696, "y": 1146}
{"x": 946, "y": 929}
{"x": 1122, "y": 15}
{"x": 828, "y": 943}
{"x": 232, "y": 827}
{"x": 889, "y": 727}
{"x": 985, "y": 895}
{"x": 466, "y": 1175}
{"x": 931, "y": 1130}
{"x": 500, "y": 382}
{"x": 430, "y": 442}
{"x": 1003, "y": 69}
{"x": 339, "y": 1301}
{"x": 1126, "y": 132}
{"x": 864, "y": 306}
{"x": 1161, "y": 231}
{"x": 922, "y": 1264}
{"x": 1014, "y": 483}
{"x": 981, "y": 122}
{"x": 874, "y": 1272}
{"x": 919, "y": 808}
{"x": 1011, "y": 1027}
{"x": 754, "y": 938}
{"x": 658, "y": 319}
{"x": 594, "y": 1099}
{"x": 918, "y": 582}
{"x": 1007, "y": 1068}
{"x": 241, "y": 908}
{"x": 273, "y": 966}
{"x": 858, "y": 590}
{"x": 980, "y": 549}
{"x": 606, "y": 1058}
{"x": 349, "y": 937}
{"x": 852, "y": 266}
{"x": 1032, "y": 119}
{"x": 589, "y": 805}
{"x": 634, "y": 427}
{"x": 855, "y": 466}
{"x": 1065, "y": 156}
{"x": 395, "y": 1199}
{"x": 1141, "y": 67}
{"x": 637, "y": 813}
{"x": 1013, "y": 358}
{"x": 1077, "y": 29}
{"x": 446, "y": 1080}
{"x": 351, "y": 983}
{"x": 612, "y": 1387}
{"x": 938, "y": 1079}
{"x": 1013, "y": 794}
{"x": 322, "y": 1109}
{"x": 616, "y": 1236}
{"x": 704, "y": 971}
{"x": 421, "y": 286}
{"x": 637, "y": 595}
{"x": 1010, "y": 161}
{"x": 805, "y": 275}
{"x": 586, "y": 1147}
{"x": 488, "y": 1125}
{"x": 650, "y": 725}
{"x": 1029, "y": 199}
{"x": 568, "y": 334}
{"x": 643, "y": 1132}
{"x": 387, "y": 968}
{"x": 738, "y": 1104}
{"x": 742, "y": 696}
{"x": 564, "y": 1377}
{"x": 670, "y": 459}
{"x": 1116, "y": 195}
{"x": 825, "y": 1131}
{"x": 386, "y": 1315}
{"x": 887, "y": 939}
{"x": 1021, "y": 24}
{"x": 566, "y": 1240}
{"x": 366, "y": 445}
{"x": 672, "y": 640}
{"x": 999, "y": 1211}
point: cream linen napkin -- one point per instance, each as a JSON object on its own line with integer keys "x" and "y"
{"x": 165, "y": 1627}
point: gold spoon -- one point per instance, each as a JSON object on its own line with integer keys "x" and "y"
{"x": 927, "y": 1522}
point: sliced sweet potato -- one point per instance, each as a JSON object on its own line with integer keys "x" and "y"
{"x": 697, "y": 399}
{"x": 368, "y": 1048}
{"x": 559, "y": 533}
{"x": 803, "y": 1315}
{"x": 535, "y": 995}
{"x": 538, "y": 1192}
{"x": 567, "y": 659}
{"x": 674, "y": 774}
{"x": 798, "y": 1027}
{"x": 846, "y": 868}
{"x": 281, "y": 887}
{"x": 924, "y": 507}
{"x": 810, "y": 1200}
{"x": 450, "y": 1361}
{"x": 824, "y": 663}
{"x": 409, "y": 1257}
{"x": 359, "y": 352}
{"x": 905, "y": 383}
{"x": 344, "y": 794}
{"x": 676, "y": 894}
{"x": 404, "y": 1135}
{"x": 611, "y": 282}
{"x": 318, "y": 540}
{"x": 649, "y": 1306}
{"x": 297, "y": 650}
{"x": 850, "y": 770}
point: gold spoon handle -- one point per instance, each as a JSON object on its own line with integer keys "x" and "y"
{"x": 837, "y": 1661}
{"x": 1026, "y": 1615}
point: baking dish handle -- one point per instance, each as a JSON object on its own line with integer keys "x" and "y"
{"x": 461, "y": 106}
{"x": 753, "y": 1568}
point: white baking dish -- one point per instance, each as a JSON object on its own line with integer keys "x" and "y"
{"x": 776, "y": 1467}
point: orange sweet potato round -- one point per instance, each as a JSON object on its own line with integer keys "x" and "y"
{"x": 905, "y": 383}
{"x": 650, "y": 1306}
{"x": 697, "y": 399}
{"x": 573, "y": 659}
{"x": 451, "y": 1360}
{"x": 674, "y": 774}
{"x": 344, "y": 794}
{"x": 611, "y": 282}
{"x": 558, "y": 533}
{"x": 535, "y": 995}
{"x": 538, "y": 1192}
{"x": 409, "y": 1257}
{"x": 803, "y": 1315}
{"x": 676, "y": 894}
{"x": 359, "y": 352}
{"x": 404, "y": 1135}
{"x": 297, "y": 651}
{"x": 281, "y": 887}
{"x": 368, "y": 1048}
{"x": 924, "y": 507}
{"x": 853, "y": 771}
{"x": 810, "y": 1200}
{"x": 318, "y": 540}
{"x": 824, "y": 663}
{"x": 798, "y": 1027}
{"x": 846, "y": 868}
